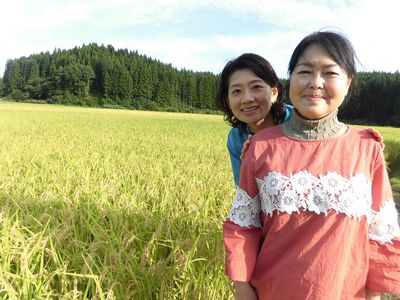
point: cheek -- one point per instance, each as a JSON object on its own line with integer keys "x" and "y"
{"x": 234, "y": 105}
{"x": 266, "y": 106}
{"x": 338, "y": 91}
{"x": 231, "y": 102}
{"x": 292, "y": 92}
{"x": 296, "y": 84}
{"x": 293, "y": 88}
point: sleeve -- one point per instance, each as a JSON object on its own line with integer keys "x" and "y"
{"x": 242, "y": 227}
{"x": 383, "y": 233}
{"x": 234, "y": 154}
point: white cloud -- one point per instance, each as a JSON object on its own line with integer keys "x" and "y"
{"x": 28, "y": 27}
{"x": 30, "y": 17}
{"x": 212, "y": 53}
{"x": 374, "y": 35}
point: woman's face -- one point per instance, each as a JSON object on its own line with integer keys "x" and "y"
{"x": 250, "y": 98}
{"x": 317, "y": 85}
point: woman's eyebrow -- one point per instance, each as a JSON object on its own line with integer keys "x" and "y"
{"x": 250, "y": 82}
{"x": 308, "y": 64}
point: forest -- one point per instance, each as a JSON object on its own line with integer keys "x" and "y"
{"x": 102, "y": 76}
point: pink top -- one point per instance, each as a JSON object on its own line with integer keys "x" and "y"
{"x": 314, "y": 219}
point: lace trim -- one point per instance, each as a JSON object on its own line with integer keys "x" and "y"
{"x": 304, "y": 191}
{"x": 245, "y": 210}
{"x": 383, "y": 224}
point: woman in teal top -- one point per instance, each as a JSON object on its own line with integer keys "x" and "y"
{"x": 252, "y": 98}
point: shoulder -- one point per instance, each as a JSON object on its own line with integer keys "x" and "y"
{"x": 236, "y": 137}
{"x": 267, "y": 142}
{"x": 368, "y": 135}
{"x": 235, "y": 133}
{"x": 269, "y": 134}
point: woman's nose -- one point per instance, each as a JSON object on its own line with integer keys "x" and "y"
{"x": 316, "y": 81}
{"x": 248, "y": 96}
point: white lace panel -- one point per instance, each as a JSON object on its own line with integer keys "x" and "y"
{"x": 304, "y": 191}
{"x": 245, "y": 211}
{"x": 383, "y": 225}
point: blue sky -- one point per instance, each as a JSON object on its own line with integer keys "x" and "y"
{"x": 201, "y": 35}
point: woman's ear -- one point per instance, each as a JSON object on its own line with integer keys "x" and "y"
{"x": 274, "y": 94}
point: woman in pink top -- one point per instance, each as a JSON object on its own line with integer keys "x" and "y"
{"x": 314, "y": 216}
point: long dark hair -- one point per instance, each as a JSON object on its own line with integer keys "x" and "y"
{"x": 261, "y": 68}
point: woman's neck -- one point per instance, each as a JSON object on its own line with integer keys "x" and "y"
{"x": 303, "y": 129}
{"x": 263, "y": 123}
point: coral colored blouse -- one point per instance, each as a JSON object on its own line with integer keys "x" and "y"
{"x": 314, "y": 219}
{"x": 237, "y": 136}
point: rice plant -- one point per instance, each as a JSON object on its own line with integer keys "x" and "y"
{"x": 112, "y": 204}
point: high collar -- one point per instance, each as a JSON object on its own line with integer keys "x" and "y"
{"x": 303, "y": 129}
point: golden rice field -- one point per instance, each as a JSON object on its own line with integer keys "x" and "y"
{"x": 112, "y": 204}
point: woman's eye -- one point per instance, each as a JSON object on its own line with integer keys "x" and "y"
{"x": 235, "y": 92}
{"x": 332, "y": 73}
{"x": 303, "y": 72}
{"x": 257, "y": 87}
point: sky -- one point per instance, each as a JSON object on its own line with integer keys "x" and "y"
{"x": 201, "y": 35}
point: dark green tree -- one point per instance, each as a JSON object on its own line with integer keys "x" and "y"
{"x": 13, "y": 80}
{"x": 101, "y": 75}
{"x": 1, "y": 87}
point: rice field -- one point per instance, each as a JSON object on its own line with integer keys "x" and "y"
{"x": 112, "y": 204}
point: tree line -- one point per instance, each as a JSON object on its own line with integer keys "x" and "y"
{"x": 94, "y": 75}
{"x": 375, "y": 99}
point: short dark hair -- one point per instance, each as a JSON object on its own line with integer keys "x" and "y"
{"x": 338, "y": 47}
{"x": 261, "y": 68}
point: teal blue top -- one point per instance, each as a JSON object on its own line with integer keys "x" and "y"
{"x": 236, "y": 137}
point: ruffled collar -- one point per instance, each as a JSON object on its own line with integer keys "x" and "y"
{"x": 303, "y": 129}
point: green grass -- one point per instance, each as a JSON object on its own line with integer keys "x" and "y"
{"x": 112, "y": 204}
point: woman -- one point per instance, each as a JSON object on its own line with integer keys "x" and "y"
{"x": 314, "y": 216}
{"x": 252, "y": 98}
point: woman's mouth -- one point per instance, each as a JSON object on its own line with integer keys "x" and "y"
{"x": 250, "y": 109}
{"x": 313, "y": 97}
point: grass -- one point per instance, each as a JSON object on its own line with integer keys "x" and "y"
{"x": 112, "y": 204}
{"x": 106, "y": 204}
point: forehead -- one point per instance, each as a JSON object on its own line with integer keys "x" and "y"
{"x": 316, "y": 55}
{"x": 243, "y": 76}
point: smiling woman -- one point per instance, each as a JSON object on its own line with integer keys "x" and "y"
{"x": 252, "y": 98}
{"x": 314, "y": 216}
{"x": 318, "y": 85}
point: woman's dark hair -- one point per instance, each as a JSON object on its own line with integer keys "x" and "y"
{"x": 338, "y": 47}
{"x": 262, "y": 69}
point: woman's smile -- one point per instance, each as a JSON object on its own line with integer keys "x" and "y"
{"x": 250, "y": 98}
{"x": 318, "y": 85}
{"x": 250, "y": 110}
{"x": 312, "y": 97}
